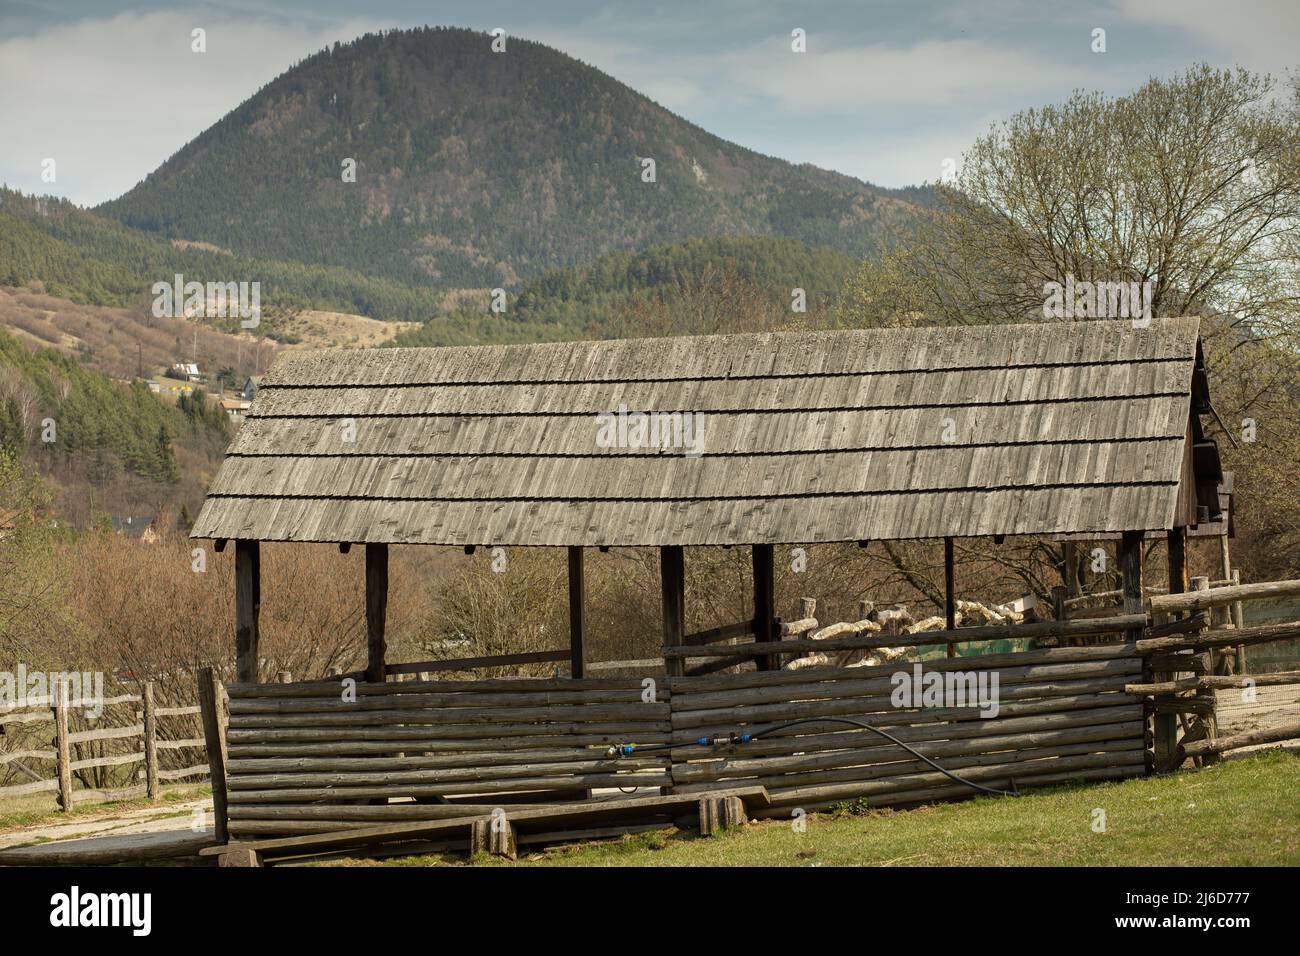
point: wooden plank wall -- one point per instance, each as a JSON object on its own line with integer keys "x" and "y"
{"x": 302, "y": 760}
{"x": 1063, "y": 715}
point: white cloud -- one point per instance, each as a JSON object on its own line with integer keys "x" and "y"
{"x": 1260, "y": 34}
{"x": 947, "y": 73}
{"x": 110, "y": 99}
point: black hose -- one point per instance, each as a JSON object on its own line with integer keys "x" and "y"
{"x": 892, "y": 739}
{"x": 851, "y": 721}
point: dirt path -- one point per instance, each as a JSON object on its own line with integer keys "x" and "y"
{"x": 136, "y": 833}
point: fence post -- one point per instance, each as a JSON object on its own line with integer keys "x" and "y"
{"x": 1209, "y": 725}
{"x": 150, "y": 743}
{"x": 1238, "y": 623}
{"x": 63, "y": 749}
{"x": 214, "y": 738}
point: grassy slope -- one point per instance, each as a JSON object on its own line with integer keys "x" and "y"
{"x": 1243, "y": 812}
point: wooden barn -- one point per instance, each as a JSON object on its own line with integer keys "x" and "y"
{"x": 811, "y": 437}
{"x": 754, "y": 440}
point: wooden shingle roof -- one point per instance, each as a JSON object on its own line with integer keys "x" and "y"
{"x": 806, "y": 437}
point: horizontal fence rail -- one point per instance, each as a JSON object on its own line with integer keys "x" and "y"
{"x": 74, "y": 756}
{"x": 328, "y": 756}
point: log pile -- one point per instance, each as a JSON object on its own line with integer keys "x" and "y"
{"x": 303, "y": 760}
{"x": 1064, "y": 714}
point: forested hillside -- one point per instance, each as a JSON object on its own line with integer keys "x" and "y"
{"x": 108, "y": 444}
{"x": 478, "y": 169}
{"x": 89, "y": 258}
{"x": 593, "y": 301}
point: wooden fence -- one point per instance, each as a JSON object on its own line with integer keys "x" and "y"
{"x": 149, "y": 744}
{"x": 299, "y": 757}
{"x": 321, "y": 757}
{"x": 1062, "y": 714}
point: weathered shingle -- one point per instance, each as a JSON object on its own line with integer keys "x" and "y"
{"x": 806, "y": 437}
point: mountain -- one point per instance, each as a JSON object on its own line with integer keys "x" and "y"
{"x": 478, "y": 169}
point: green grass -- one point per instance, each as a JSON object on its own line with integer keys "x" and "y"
{"x": 1240, "y": 813}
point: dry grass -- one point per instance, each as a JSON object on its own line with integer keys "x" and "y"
{"x": 318, "y": 330}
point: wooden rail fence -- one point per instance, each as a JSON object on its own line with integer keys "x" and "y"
{"x": 84, "y": 755}
{"x": 295, "y": 760}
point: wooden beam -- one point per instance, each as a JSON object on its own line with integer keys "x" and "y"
{"x": 1238, "y": 622}
{"x": 248, "y": 601}
{"x": 1177, "y": 553}
{"x": 472, "y": 663}
{"x": 1070, "y": 567}
{"x": 210, "y": 705}
{"x": 1130, "y": 568}
{"x": 63, "y": 748}
{"x": 949, "y": 592}
{"x": 1218, "y": 597}
{"x": 1267, "y": 735}
{"x": 991, "y": 632}
{"x": 577, "y": 612}
{"x": 1259, "y": 634}
{"x": 765, "y": 629}
{"x": 724, "y": 632}
{"x": 672, "y": 576}
{"x": 376, "y": 610}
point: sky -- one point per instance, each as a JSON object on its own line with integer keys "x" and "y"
{"x": 886, "y": 91}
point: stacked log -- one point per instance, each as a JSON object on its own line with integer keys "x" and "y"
{"x": 1063, "y": 714}
{"x": 305, "y": 759}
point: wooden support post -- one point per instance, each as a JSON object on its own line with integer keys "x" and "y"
{"x": 719, "y": 813}
{"x": 1070, "y": 567}
{"x": 577, "y": 613}
{"x": 765, "y": 628}
{"x": 240, "y": 856}
{"x": 1238, "y": 623}
{"x": 672, "y": 575}
{"x": 376, "y": 610}
{"x": 150, "y": 742}
{"x": 248, "y": 600}
{"x": 495, "y": 836}
{"x": 1129, "y": 557}
{"x": 1059, "y": 610}
{"x": 949, "y": 592}
{"x": 1206, "y": 726}
{"x": 1130, "y": 569}
{"x": 210, "y": 710}
{"x": 1166, "y": 725}
{"x": 62, "y": 748}
{"x": 1177, "y": 551}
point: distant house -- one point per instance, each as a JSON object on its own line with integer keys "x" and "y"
{"x": 144, "y": 527}
{"x": 249, "y": 391}
{"x": 185, "y": 371}
{"x": 236, "y": 408}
